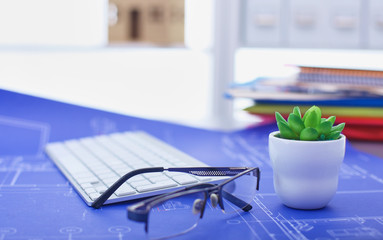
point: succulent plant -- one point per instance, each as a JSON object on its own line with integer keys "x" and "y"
{"x": 310, "y": 127}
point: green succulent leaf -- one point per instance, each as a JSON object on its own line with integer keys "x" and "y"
{"x": 324, "y": 127}
{"x": 309, "y": 134}
{"x": 331, "y": 119}
{"x": 317, "y": 110}
{"x": 305, "y": 116}
{"x": 312, "y": 119}
{"x": 333, "y": 135}
{"x": 312, "y": 109}
{"x": 279, "y": 118}
{"x": 322, "y": 120}
{"x": 297, "y": 112}
{"x": 286, "y": 131}
{"x": 338, "y": 128}
{"x": 295, "y": 123}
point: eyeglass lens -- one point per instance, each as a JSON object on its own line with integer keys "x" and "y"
{"x": 239, "y": 193}
{"x": 175, "y": 216}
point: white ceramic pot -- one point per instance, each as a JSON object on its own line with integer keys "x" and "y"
{"x": 306, "y": 172}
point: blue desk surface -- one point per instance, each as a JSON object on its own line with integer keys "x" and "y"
{"x": 37, "y": 202}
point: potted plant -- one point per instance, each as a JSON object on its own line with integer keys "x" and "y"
{"x": 306, "y": 155}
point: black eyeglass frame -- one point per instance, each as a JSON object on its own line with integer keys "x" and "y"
{"x": 139, "y": 212}
{"x": 198, "y": 171}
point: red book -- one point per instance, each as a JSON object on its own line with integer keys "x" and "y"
{"x": 357, "y": 128}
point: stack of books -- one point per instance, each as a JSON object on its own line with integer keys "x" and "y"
{"x": 354, "y": 96}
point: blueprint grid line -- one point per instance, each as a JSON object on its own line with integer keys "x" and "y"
{"x": 247, "y": 223}
{"x": 41, "y": 126}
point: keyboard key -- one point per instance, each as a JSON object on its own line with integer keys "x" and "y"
{"x": 110, "y": 180}
{"x": 139, "y": 165}
{"x": 140, "y": 183}
{"x": 91, "y": 180}
{"x": 157, "y": 179}
{"x": 94, "y": 195}
{"x": 179, "y": 164}
{"x": 172, "y": 174}
{"x": 101, "y": 189}
{"x": 118, "y": 166}
{"x": 86, "y": 185}
{"x": 125, "y": 190}
{"x": 85, "y": 174}
{"x": 185, "y": 179}
{"x": 90, "y": 190}
{"x": 136, "y": 178}
{"x": 154, "y": 174}
{"x": 106, "y": 175}
{"x": 156, "y": 186}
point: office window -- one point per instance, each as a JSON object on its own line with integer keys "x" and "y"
{"x": 59, "y": 49}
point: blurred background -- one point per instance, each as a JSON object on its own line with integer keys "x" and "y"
{"x": 174, "y": 60}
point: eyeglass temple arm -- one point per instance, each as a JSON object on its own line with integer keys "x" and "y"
{"x": 216, "y": 171}
{"x": 237, "y": 201}
{"x": 101, "y": 199}
{"x": 210, "y": 171}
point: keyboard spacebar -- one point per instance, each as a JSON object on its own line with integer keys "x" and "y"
{"x": 156, "y": 186}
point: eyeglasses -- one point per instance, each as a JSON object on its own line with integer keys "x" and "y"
{"x": 178, "y": 212}
{"x": 182, "y": 209}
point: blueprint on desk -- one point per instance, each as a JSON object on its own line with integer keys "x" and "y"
{"x": 37, "y": 202}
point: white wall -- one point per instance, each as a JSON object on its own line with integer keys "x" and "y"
{"x": 53, "y": 22}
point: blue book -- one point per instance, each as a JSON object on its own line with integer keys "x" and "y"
{"x": 354, "y": 102}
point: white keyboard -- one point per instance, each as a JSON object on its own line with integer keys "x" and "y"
{"x": 93, "y": 164}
